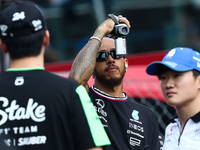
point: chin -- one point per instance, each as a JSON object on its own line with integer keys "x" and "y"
{"x": 172, "y": 103}
{"x": 169, "y": 101}
{"x": 114, "y": 77}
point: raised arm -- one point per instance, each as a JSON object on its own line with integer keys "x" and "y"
{"x": 84, "y": 63}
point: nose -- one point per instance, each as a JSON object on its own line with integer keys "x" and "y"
{"x": 169, "y": 83}
{"x": 110, "y": 60}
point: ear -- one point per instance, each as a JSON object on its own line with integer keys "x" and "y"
{"x": 3, "y": 46}
{"x": 46, "y": 38}
{"x": 126, "y": 64}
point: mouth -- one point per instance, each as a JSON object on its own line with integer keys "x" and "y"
{"x": 112, "y": 68}
{"x": 170, "y": 93}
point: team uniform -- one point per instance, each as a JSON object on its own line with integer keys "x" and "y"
{"x": 42, "y": 111}
{"x": 129, "y": 125}
{"x": 189, "y": 139}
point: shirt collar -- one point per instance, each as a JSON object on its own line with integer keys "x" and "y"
{"x": 102, "y": 94}
{"x": 25, "y": 69}
{"x": 195, "y": 118}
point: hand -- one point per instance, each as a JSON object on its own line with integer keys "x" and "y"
{"x": 122, "y": 20}
{"x": 107, "y": 26}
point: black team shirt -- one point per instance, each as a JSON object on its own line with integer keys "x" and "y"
{"x": 42, "y": 111}
{"x": 129, "y": 125}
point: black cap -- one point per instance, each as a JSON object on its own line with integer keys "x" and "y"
{"x": 21, "y": 11}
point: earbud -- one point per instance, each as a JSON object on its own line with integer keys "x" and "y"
{"x": 126, "y": 67}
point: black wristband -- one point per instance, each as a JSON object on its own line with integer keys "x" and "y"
{"x": 113, "y": 18}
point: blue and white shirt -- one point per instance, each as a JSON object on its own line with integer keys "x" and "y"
{"x": 189, "y": 139}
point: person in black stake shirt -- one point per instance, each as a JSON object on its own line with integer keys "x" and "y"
{"x": 38, "y": 109}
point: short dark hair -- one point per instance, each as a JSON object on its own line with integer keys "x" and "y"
{"x": 24, "y": 46}
{"x": 195, "y": 73}
{"x": 164, "y": 69}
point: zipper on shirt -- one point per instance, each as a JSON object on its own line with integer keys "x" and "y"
{"x": 179, "y": 139}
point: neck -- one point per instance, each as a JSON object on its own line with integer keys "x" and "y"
{"x": 28, "y": 62}
{"x": 188, "y": 110}
{"x": 116, "y": 91}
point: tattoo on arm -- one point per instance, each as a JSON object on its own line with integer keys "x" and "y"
{"x": 84, "y": 63}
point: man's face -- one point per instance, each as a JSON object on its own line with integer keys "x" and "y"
{"x": 179, "y": 88}
{"x": 110, "y": 71}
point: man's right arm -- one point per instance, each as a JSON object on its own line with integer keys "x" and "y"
{"x": 84, "y": 63}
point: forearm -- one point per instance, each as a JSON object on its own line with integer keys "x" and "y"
{"x": 84, "y": 63}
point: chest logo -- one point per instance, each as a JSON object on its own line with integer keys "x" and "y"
{"x": 135, "y": 115}
{"x": 102, "y": 113}
{"x": 197, "y": 134}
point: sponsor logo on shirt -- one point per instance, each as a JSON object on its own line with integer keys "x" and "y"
{"x": 197, "y": 134}
{"x": 19, "y": 81}
{"x": 13, "y": 111}
{"x": 136, "y": 129}
{"x": 134, "y": 141}
{"x": 99, "y": 107}
{"x": 169, "y": 134}
{"x": 134, "y": 133}
{"x": 135, "y": 115}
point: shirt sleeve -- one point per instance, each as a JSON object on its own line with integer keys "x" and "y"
{"x": 88, "y": 129}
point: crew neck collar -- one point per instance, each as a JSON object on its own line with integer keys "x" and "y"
{"x": 25, "y": 69}
{"x": 105, "y": 95}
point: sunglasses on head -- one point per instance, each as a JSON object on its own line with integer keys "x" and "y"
{"x": 103, "y": 55}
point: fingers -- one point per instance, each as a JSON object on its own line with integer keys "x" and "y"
{"x": 122, "y": 19}
{"x": 107, "y": 26}
{"x": 125, "y": 20}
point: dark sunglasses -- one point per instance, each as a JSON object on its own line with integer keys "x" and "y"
{"x": 103, "y": 55}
